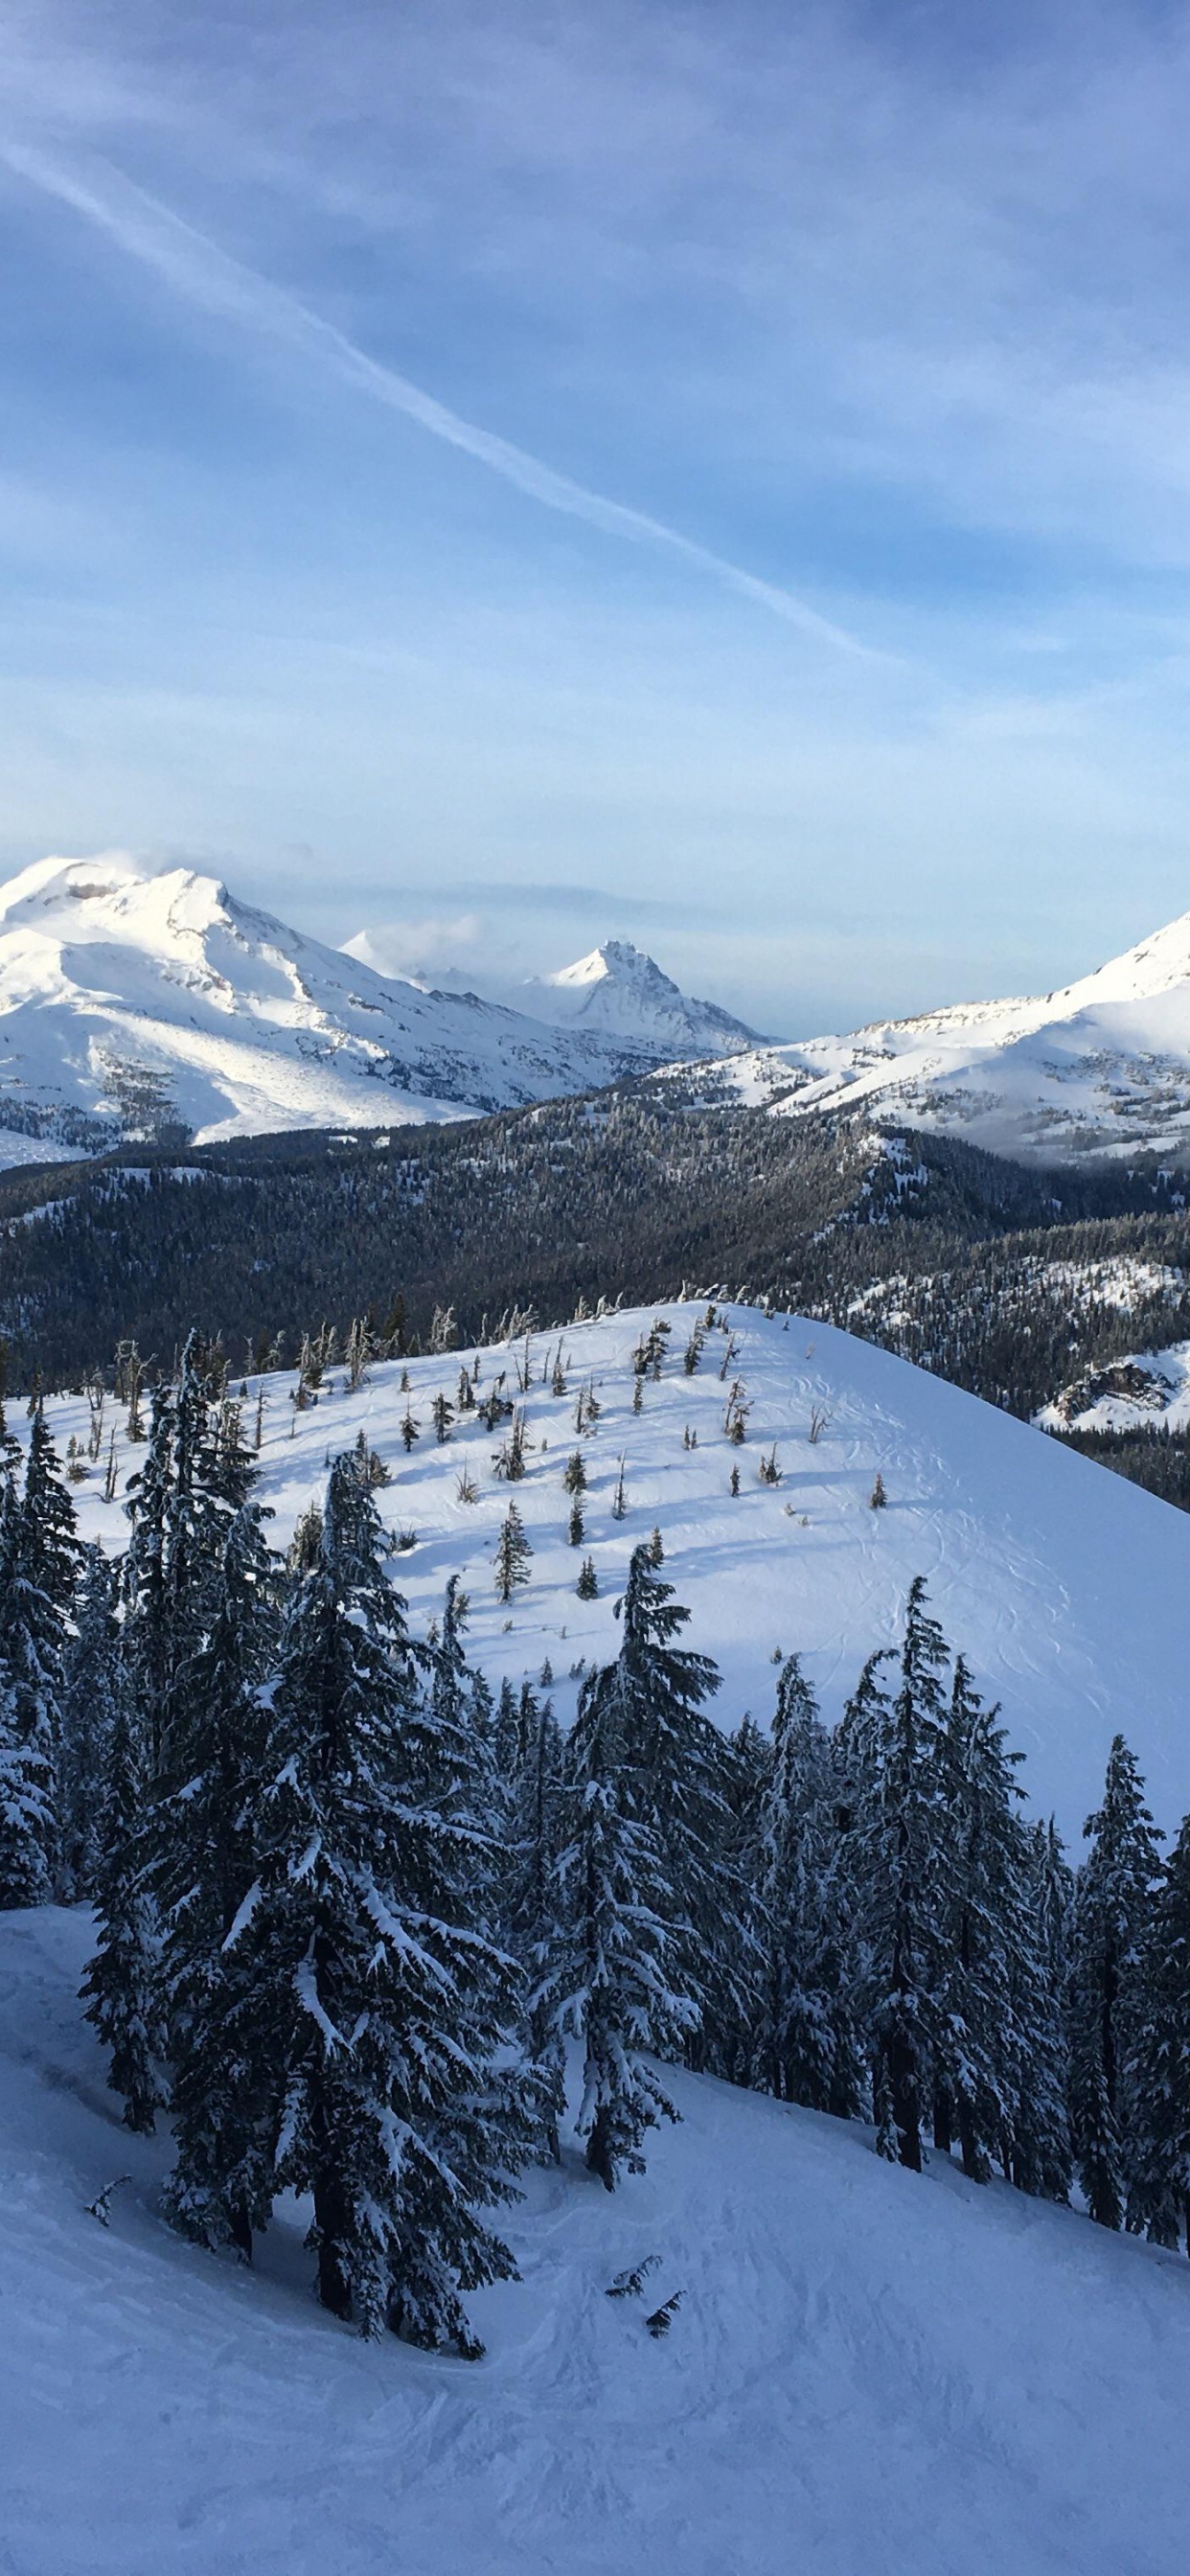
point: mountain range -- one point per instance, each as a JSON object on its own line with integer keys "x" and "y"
{"x": 1100, "y": 1067}
{"x": 141, "y": 1004}
{"x": 135, "y": 1004}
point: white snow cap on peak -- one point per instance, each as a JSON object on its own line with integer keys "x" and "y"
{"x": 41, "y": 884}
{"x": 620, "y": 989}
{"x": 612, "y": 957}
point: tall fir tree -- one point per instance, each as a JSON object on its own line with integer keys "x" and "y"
{"x": 892, "y": 1744}
{"x": 197, "y": 1474}
{"x": 513, "y": 1554}
{"x": 806, "y": 2047}
{"x": 746, "y": 1760}
{"x": 120, "y": 1986}
{"x": 980, "y": 1863}
{"x": 90, "y": 1694}
{"x": 204, "y": 1864}
{"x": 27, "y": 1801}
{"x": 1110, "y": 1932}
{"x": 38, "y": 1563}
{"x": 673, "y": 1778}
{"x": 613, "y": 1979}
{"x": 1159, "y": 2074}
{"x": 383, "y": 2010}
{"x": 148, "y": 1641}
{"x": 535, "y": 1840}
{"x": 1041, "y": 2159}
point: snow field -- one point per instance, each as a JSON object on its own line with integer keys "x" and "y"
{"x": 1067, "y": 1588}
{"x": 870, "y": 2370}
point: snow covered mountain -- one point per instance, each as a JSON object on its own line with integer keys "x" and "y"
{"x": 1067, "y": 1588}
{"x": 870, "y": 2370}
{"x": 1101, "y": 1067}
{"x": 137, "y": 1004}
{"x": 620, "y": 991}
{"x": 616, "y": 993}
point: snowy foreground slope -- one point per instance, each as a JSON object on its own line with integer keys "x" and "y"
{"x": 1067, "y": 1588}
{"x": 871, "y": 2370}
{"x": 1102, "y": 1067}
{"x": 126, "y": 996}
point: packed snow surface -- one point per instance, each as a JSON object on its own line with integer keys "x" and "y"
{"x": 127, "y": 998}
{"x": 1101, "y": 1067}
{"x": 871, "y": 2370}
{"x": 1067, "y": 1588}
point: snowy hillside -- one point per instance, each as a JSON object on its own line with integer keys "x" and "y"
{"x": 870, "y": 2369}
{"x": 1101, "y": 1067}
{"x": 1067, "y": 1588}
{"x": 616, "y": 993}
{"x": 129, "y": 1001}
{"x": 1145, "y": 1391}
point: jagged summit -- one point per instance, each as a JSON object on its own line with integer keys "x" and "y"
{"x": 616, "y": 993}
{"x": 620, "y": 990}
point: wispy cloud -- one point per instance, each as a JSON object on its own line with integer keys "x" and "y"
{"x": 208, "y": 277}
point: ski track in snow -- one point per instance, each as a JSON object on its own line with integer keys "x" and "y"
{"x": 870, "y": 2370}
{"x": 1067, "y": 1588}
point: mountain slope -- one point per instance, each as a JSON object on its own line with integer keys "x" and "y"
{"x": 615, "y": 993}
{"x": 1067, "y": 1588}
{"x": 870, "y": 2369}
{"x": 131, "y": 1002}
{"x": 1101, "y": 1067}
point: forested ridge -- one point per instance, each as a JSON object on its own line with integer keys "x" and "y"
{"x": 1011, "y": 1282}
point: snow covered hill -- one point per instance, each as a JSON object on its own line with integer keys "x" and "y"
{"x": 131, "y": 1002}
{"x": 1101, "y": 1067}
{"x": 1144, "y": 1391}
{"x": 870, "y": 2370}
{"x": 1067, "y": 1588}
{"x": 616, "y": 993}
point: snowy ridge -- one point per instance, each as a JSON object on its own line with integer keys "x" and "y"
{"x": 1067, "y": 1588}
{"x": 130, "y": 1003}
{"x": 1102, "y": 1066}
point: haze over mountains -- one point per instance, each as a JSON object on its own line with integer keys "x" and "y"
{"x": 616, "y": 992}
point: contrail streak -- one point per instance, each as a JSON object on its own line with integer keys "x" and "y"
{"x": 208, "y": 277}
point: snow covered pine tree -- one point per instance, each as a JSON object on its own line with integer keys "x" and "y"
{"x": 382, "y": 2008}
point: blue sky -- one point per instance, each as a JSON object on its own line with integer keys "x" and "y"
{"x": 717, "y": 475}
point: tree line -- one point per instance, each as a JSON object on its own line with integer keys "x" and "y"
{"x": 353, "y": 1906}
{"x": 1006, "y": 1280}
